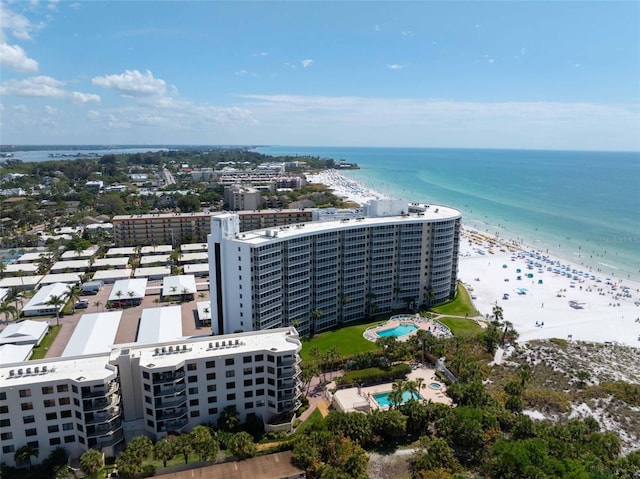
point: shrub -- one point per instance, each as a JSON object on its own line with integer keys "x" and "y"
{"x": 374, "y": 375}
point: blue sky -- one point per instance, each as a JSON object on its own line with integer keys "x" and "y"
{"x": 541, "y": 75}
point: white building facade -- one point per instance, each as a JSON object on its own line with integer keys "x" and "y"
{"x": 322, "y": 274}
{"x": 101, "y": 400}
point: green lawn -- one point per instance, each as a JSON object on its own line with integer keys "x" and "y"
{"x": 458, "y": 307}
{"x": 41, "y": 350}
{"x": 460, "y": 326}
{"x": 349, "y": 340}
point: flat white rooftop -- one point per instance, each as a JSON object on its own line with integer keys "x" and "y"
{"x": 154, "y": 271}
{"x": 158, "y": 325}
{"x": 24, "y": 331}
{"x": 282, "y": 340}
{"x": 87, "y": 253}
{"x": 95, "y": 333}
{"x": 128, "y": 289}
{"x": 180, "y": 284}
{"x": 158, "y": 249}
{"x": 15, "y": 353}
{"x": 125, "y": 251}
{"x": 200, "y": 257}
{"x": 31, "y": 257}
{"x": 274, "y": 234}
{"x": 104, "y": 274}
{"x": 61, "y": 278}
{"x": 26, "y": 268}
{"x": 118, "y": 261}
{"x": 94, "y": 367}
{"x": 196, "y": 268}
{"x": 82, "y": 264}
{"x": 194, "y": 247}
{"x": 43, "y": 295}
{"x": 19, "y": 282}
{"x": 154, "y": 259}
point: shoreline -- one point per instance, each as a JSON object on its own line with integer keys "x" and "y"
{"x": 561, "y": 299}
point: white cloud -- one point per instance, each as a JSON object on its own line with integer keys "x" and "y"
{"x": 19, "y": 25}
{"x": 49, "y": 110}
{"x": 20, "y": 108}
{"x": 45, "y": 86}
{"x": 306, "y": 63}
{"x": 377, "y": 28}
{"x": 261, "y": 54}
{"x": 407, "y": 33}
{"x": 396, "y": 66}
{"x": 132, "y": 83}
{"x": 14, "y": 57}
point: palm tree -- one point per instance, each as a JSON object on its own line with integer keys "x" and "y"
{"x": 412, "y": 388}
{"x": 164, "y": 450}
{"x": 7, "y": 309}
{"x": 23, "y": 454}
{"x": 3, "y": 267}
{"x": 119, "y": 294}
{"x": 15, "y": 295}
{"x": 57, "y": 302}
{"x": 73, "y": 294}
{"x": 397, "y": 390}
{"x": 315, "y": 315}
{"x": 97, "y": 304}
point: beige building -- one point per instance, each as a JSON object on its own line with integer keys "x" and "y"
{"x": 240, "y": 198}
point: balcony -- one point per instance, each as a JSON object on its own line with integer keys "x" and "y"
{"x": 168, "y": 377}
{"x": 105, "y": 430}
{"x": 110, "y": 415}
{"x": 112, "y": 387}
{"x": 170, "y": 391}
{"x": 173, "y": 425}
{"x": 100, "y": 403}
{"x": 171, "y": 414}
{"x": 110, "y": 439}
{"x": 171, "y": 403}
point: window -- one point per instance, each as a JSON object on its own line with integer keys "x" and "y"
{"x": 51, "y": 416}
{"x": 74, "y": 388}
{"x": 248, "y": 394}
{"x": 78, "y": 415}
{"x": 260, "y": 370}
{"x": 3, "y": 396}
{"x": 271, "y": 370}
{"x": 211, "y": 376}
{"x": 68, "y": 439}
{"x": 231, "y": 397}
{"x": 63, "y": 388}
{"x": 31, "y": 432}
{"x": 192, "y": 379}
{"x": 76, "y": 402}
{"x": 271, "y": 358}
{"x": 193, "y": 390}
{"x": 64, "y": 401}
{"x": 248, "y": 382}
{"x": 49, "y": 403}
{"x": 26, "y": 406}
{"x": 192, "y": 367}
{"x": 147, "y": 399}
{"x": 145, "y": 374}
{"x": 25, "y": 393}
{"x": 194, "y": 402}
{"x": 259, "y": 357}
{"x": 259, "y": 380}
{"x": 211, "y": 388}
{"x": 212, "y": 399}
{"x": 67, "y": 426}
{"x": 229, "y": 362}
{"x": 149, "y": 423}
{"x": 6, "y": 436}
{"x": 230, "y": 374}
{"x": 4, "y": 409}
{"x": 80, "y": 427}
{"x": 248, "y": 405}
{"x": 247, "y": 371}
{"x": 195, "y": 414}
{"x": 260, "y": 403}
{"x": 34, "y": 444}
{"x": 210, "y": 364}
{"x": 47, "y": 390}
{"x": 213, "y": 410}
{"x": 54, "y": 441}
{"x": 147, "y": 387}
{"x": 271, "y": 393}
{"x": 28, "y": 419}
{"x": 53, "y": 428}
{"x": 66, "y": 413}
{"x": 81, "y": 439}
{"x": 8, "y": 449}
{"x": 259, "y": 392}
{"x": 231, "y": 385}
{"x": 5, "y": 422}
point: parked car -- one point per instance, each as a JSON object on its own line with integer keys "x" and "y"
{"x": 82, "y": 304}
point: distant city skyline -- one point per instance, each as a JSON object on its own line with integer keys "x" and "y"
{"x": 522, "y": 75}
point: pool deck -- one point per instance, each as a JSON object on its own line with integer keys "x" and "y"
{"x": 436, "y": 328}
{"x": 361, "y": 399}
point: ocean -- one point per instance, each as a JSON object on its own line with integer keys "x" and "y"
{"x": 580, "y": 206}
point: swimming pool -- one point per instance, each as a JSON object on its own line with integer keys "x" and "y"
{"x": 398, "y": 331}
{"x": 383, "y": 398}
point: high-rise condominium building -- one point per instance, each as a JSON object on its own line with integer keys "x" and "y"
{"x": 318, "y": 275}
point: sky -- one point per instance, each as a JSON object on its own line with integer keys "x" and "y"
{"x": 525, "y": 75}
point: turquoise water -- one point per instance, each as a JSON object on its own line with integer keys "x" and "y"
{"x": 383, "y": 398}
{"x": 581, "y": 206}
{"x": 398, "y": 331}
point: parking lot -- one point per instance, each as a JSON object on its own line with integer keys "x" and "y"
{"x": 130, "y": 320}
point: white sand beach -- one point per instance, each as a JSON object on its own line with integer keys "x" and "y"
{"x": 558, "y": 299}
